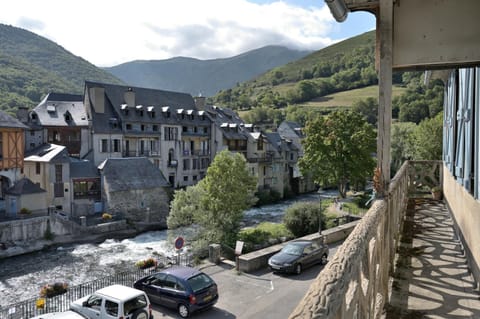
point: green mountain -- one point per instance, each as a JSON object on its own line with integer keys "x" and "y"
{"x": 32, "y": 66}
{"x": 344, "y": 66}
{"x": 205, "y": 77}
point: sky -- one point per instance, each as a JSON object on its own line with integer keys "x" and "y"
{"x": 111, "y": 32}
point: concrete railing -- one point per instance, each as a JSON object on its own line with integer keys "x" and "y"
{"x": 355, "y": 282}
{"x": 259, "y": 259}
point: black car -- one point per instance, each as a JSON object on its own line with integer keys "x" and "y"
{"x": 297, "y": 255}
{"x": 183, "y": 288}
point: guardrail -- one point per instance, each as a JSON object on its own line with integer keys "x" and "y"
{"x": 355, "y": 282}
{"x": 33, "y": 306}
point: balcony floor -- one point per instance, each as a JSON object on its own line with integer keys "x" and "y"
{"x": 432, "y": 278}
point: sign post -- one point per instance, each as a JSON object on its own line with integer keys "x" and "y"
{"x": 238, "y": 252}
{"x": 178, "y": 245}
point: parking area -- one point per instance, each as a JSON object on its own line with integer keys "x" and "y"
{"x": 261, "y": 294}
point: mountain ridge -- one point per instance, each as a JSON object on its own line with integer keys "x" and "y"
{"x": 206, "y": 77}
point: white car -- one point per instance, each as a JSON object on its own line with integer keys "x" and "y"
{"x": 114, "y": 302}
{"x": 61, "y": 315}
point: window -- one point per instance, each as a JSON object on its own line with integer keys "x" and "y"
{"x": 58, "y": 173}
{"x": 32, "y": 133}
{"x": 205, "y": 130}
{"x": 111, "y": 308}
{"x": 185, "y": 178}
{"x": 155, "y": 128}
{"x": 171, "y": 133}
{"x": 128, "y": 127}
{"x": 195, "y": 164}
{"x": 142, "y": 127}
{"x": 104, "y": 146}
{"x": 186, "y": 164}
{"x": 37, "y": 168}
{"x": 260, "y": 144}
{"x": 116, "y": 145}
{"x": 194, "y": 177}
{"x": 86, "y": 189}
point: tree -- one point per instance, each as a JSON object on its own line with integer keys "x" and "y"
{"x": 401, "y": 144}
{"x": 217, "y": 202}
{"x": 338, "y": 149}
{"x": 368, "y": 108}
{"x": 427, "y": 139}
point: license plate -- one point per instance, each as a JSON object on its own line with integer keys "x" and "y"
{"x": 207, "y": 298}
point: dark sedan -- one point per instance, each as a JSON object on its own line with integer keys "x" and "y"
{"x": 298, "y": 255}
{"x": 183, "y": 288}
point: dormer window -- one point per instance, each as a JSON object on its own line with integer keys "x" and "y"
{"x": 151, "y": 111}
{"x": 68, "y": 117}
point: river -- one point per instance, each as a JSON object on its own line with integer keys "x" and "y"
{"x": 21, "y": 277}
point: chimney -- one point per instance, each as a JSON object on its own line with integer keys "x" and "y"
{"x": 200, "y": 102}
{"x": 22, "y": 114}
{"x": 129, "y": 97}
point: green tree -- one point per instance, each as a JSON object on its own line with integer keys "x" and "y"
{"x": 217, "y": 202}
{"x": 338, "y": 149}
{"x": 183, "y": 206}
{"x": 368, "y": 108}
{"x": 427, "y": 139}
{"x": 401, "y": 144}
{"x": 304, "y": 218}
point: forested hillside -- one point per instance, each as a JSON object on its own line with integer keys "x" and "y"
{"x": 340, "y": 76}
{"x": 31, "y": 66}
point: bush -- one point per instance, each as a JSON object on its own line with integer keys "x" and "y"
{"x": 56, "y": 289}
{"x": 303, "y": 218}
{"x": 261, "y": 234}
{"x": 25, "y": 211}
{"x": 146, "y": 263}
{"x": 267, "y": 197}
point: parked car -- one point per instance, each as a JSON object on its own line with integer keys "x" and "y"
{"x": 70, "y": 314}
{"x": 298, "y": 255}
{"x": 114, "y": 302}
{"x": 185, "y": 289}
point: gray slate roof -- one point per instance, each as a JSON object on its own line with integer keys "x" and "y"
{"x": 9, "y": 121}
{"x": 24, "y": 186}
{"x": 228, "y": 121}
{"x": 83, "y": 169}
{"x": 56, "y": 108}
{"x": 122, "y": 174}
{"x": 48, "y": 153}
{"x": 147, "y": 102}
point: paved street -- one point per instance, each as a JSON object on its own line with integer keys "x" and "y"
{"x": 261, "y": 294}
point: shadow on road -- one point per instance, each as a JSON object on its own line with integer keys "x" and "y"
{"x": 214, "y": 313}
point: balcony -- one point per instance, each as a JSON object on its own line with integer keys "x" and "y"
{"x": 403, "y": 260}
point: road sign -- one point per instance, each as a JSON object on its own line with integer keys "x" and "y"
{"x": 179, "y": 242}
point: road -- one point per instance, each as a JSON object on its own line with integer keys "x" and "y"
{"x": 261, "y": 294}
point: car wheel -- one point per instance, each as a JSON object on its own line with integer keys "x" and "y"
{"x": 324, "y": 259}
{"x": 298, "y": 269}
{"x": 140, "y": 314}
{"x": 183, "y": 311}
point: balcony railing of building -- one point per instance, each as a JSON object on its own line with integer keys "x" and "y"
{"x": 196, "y": 153}
{"x": 261, "y": 158}
{"x": 144, "y": 153}
{"x": 355, "y": 282}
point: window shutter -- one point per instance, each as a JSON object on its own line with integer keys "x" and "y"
{"x": 449, "y": 122}
{"x": 468, "y": 125}
{"x": 460, "y": 147}
{"x": 477, "y": 134}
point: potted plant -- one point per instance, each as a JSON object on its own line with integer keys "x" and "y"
{"x": 436, "y": 192}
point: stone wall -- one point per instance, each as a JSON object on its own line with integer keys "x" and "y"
{"x": 145, "y": 205}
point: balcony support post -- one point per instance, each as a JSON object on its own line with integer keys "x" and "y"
{"x": 384, "y": 63}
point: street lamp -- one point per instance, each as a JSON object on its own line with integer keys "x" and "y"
{"x": 320, "y": 212}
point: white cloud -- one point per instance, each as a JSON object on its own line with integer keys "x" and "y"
{"x": 109, "y": 32}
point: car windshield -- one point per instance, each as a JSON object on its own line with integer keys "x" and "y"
{"x": 293, "y": 250}
{"x": 200, "y": 282}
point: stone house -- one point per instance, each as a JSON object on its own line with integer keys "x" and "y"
{"x": 163, "y": 126}
{"x": 136, "y": 189}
